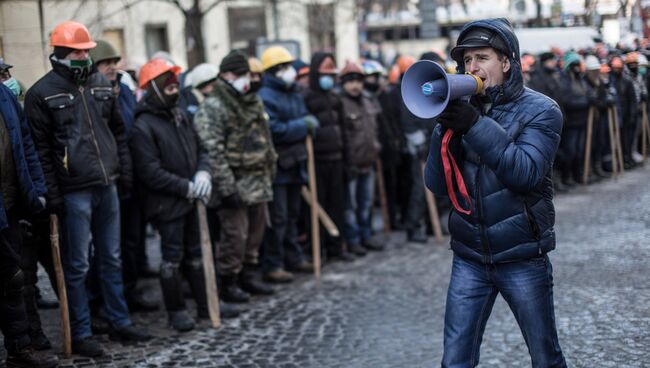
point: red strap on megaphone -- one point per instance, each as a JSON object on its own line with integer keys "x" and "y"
{"x": 446, "y": 157}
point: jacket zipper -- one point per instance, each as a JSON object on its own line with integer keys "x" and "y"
{"x": 92, "y": 132}
{"x": 484, "y": 242}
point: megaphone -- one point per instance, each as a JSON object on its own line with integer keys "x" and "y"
{"x": 427, "y": 88}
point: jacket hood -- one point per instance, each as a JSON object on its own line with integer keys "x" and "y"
{"x": 513, "y": 87}
{"x": 316, "y": 61}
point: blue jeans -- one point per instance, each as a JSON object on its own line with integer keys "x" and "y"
{"x": 93, "y": 213}
{"x": 527, "y": 287}
{"x": 357, "y": 214}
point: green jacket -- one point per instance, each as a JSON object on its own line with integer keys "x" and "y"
{"x": 236, "y": 133}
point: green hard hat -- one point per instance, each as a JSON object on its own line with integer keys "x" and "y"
{"x": 103, "y": 51}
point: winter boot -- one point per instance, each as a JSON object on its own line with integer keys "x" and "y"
{"x": 196, "y": 278}
{"x": 251, "y": 282}
{"x": 227, "y": 310}
{"x": 171, "y": 284}
{"x": 230, "y": 292}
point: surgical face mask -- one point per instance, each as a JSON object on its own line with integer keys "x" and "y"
{"x": 242, "y": 84}
{"x": 643, "y": 70}
{"x": 326, "y": 82}
{"x": 13, "y": 85}
{"x": 287, "y": 75}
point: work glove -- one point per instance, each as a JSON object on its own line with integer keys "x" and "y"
{"x": 43, "y": 201}
{"x": 312, "y": 124}
{"x": 190, "y": 190}
{"x": 459, "y": 116}
{"x": 232, "y": 201}
{"x": 202, "y": 185}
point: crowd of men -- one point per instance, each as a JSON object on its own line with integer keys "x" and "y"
{"x": 110, "y": 157}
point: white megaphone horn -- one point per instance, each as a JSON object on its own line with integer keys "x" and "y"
{"x": 427, "y": 88}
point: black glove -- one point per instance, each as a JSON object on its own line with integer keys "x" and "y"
{"x": 459, "y": 116}
{"x": 231, "y": 201}
{"x": 56, "y": 206}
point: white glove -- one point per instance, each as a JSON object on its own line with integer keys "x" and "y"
{"x": 43, "y": 201}
{"x": 202, "y": 184}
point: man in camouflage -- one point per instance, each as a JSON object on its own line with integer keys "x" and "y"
{"x": 234, "y": 127}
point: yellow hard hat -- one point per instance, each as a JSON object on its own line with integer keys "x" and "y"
{"x": 255, "y": 65}
{"x": 275, "y": 55}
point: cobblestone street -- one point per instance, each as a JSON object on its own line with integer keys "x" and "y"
{"x": 386, "y": 310}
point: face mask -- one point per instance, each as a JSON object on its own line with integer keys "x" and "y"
{"x": 287, "y": 75}
{"x": 372, "y": 87}
{"x": 643, "y": 70}
{"x": 634, "y": 69}
{"x": 255, "y": 86}
{"x": 326, "y": 82}
{"x": 165, "y": 100}
{"x": 80, "y": 69}
{"x": 13, "y": 85}
{"x": 241, "y": 84}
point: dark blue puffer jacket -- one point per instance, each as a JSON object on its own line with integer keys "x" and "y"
{"x": 506, "y": 163}
{"x": 286, "y": 109}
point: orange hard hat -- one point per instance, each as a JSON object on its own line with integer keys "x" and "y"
{"x": 616, "y": 63}
{"x": 73, "y": 35}
{"x": 605, "y": 69}
{"x": 393, "y": 75}
{"x": 404, "y": 62}
{"x": 155, "y": 67}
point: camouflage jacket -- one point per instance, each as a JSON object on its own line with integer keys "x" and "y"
{"x": 236, "y": 133}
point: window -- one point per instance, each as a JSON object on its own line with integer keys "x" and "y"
{"x": 116, "y": 38}
{"x": 246, "y": 26}
{"x": 321, "y": 27}
{"x": 155, "y": 38}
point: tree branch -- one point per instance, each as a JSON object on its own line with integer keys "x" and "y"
{"x": 211, "y": 6}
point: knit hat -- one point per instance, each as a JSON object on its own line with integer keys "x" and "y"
{"x": 570, "y": 57}
{"x": 61, "y": 52}
{"x": 236, "y": 62}
{"x": 546, "y": 56}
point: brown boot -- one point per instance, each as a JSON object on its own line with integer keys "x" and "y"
{"x": 278, "y": 276}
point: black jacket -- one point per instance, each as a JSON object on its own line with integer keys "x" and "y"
{"x": 167, "y": 152}
{"x": 327, "y": 107}
{"x": 576, "y": 97}
{"x": 78, "y": 132}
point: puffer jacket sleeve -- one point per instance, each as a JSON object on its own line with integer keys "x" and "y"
{"x": 433, "y": 171}
{"x": 118, "y": 129}
{"x": 522, "y": 163}
{"x": 40, "y": 122}
{"x": 284, "y": 131}
{"x": 146, "y": 156}
{"x": 210, "y": 121}
{"x": 34, "y": 165}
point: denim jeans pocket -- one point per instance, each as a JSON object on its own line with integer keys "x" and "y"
{"x": 537, "y": 261}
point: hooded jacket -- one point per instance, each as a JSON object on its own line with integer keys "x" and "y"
{"x": 286, "y": 109}
{"x": 506, "y": 160}
{"x": 327, "y": 107}
{"x": 78, "y": 132}
{"x": 167, "y": 152}
{"x": 29, "y": 175}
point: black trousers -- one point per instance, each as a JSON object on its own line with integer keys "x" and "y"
{"x": 330, "y": 184}
{"x": 417, "y": 202}
{"x": 134, "y": 234}
{"x": 13, "y": 318}
{"x": 36, "y": 248}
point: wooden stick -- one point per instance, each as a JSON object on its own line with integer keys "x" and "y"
{"x": 590, "y": 128}
{"x": 322, "y": 215}
{"x": 433, "y": 210}
{"x": 315, "y": 231}
{"x": 381, "y": 185}
{"x": 619, "y": 147}
{"x": 60, "y": 285}
{"x": 208, "y": 267}
{"x": 612, "y": 141}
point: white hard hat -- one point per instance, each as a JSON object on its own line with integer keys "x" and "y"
{"x": 200, "y": 74}
{"x": 592, "y": 63}
{"x": 643, "y": 60}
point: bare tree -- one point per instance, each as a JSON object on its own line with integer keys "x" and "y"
{"x": 194, "y": 15}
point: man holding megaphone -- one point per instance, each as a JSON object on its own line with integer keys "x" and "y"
{"x": 492, "y": 155}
